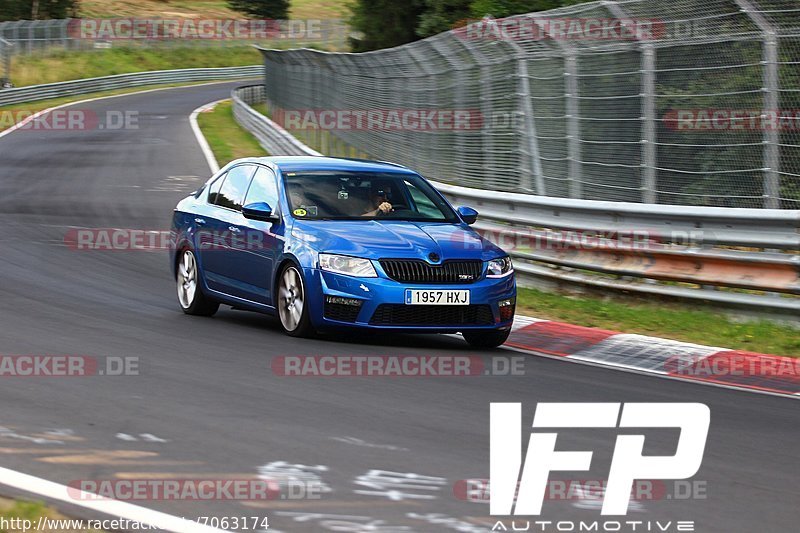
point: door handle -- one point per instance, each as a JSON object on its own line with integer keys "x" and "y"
{"x": 234, "y": 229}
{"x": 200, "y": 221}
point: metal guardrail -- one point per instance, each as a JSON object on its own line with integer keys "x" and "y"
{"x": 736, "y": 257}
{"x": 700, "y": 253}
{"x": 272, "y": 137}
{"x": 123, "y": 81}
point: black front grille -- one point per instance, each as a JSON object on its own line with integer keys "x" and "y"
{"x": 341, "y": 312}
{"x": 416, "y": 271}
{"x": 432, "y": 315}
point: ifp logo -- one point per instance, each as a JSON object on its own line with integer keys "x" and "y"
{"x": 518, "y": 488}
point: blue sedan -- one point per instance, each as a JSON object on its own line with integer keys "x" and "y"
{"x": 327, "y": 244}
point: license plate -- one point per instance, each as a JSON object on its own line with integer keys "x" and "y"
{"x": 436, "y": 297}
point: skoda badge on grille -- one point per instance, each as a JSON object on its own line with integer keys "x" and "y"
{"x": 434, "y": 257}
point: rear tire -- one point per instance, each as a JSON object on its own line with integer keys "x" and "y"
{"x": 292, "y": 303}
{"x": 486, "y": 339}
{"x": 190, "y": 291}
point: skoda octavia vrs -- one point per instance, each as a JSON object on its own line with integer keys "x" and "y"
{"x": 327, "y": 243}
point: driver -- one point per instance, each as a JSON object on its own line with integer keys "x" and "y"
{"x": 299, "y": 197}
{"x": 378, "y": 204}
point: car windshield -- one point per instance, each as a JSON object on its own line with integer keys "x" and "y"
{"x": 364, "y": 196}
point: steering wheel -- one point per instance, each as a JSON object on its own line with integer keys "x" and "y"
{"x": 396, "y": 208}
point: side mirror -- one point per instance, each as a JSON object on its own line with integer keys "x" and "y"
{"x": 468, "y": 214}
{"x": 259, "y": 211}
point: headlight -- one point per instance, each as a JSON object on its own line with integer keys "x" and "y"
{"x": 351, "y": 266}
{"x": 499, "y": 267}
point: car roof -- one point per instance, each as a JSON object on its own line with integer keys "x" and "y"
{"x": 312, "y": 163}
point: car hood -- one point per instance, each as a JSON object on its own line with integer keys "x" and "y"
{"x": 375, "y": 239}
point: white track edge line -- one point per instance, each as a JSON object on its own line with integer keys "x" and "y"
{"x": 651, "y": 372}
{"x": 129, "y": 511}
{"x": 645, "y": 372}
{"x": 211, "y": 159}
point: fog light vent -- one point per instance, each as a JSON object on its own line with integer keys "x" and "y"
{"x": 506, "y": 309}
{"x": 342, "y": 309}
{"x": 342, "y": 301}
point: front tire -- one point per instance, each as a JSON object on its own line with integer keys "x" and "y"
{"x": 292, "y": 304}
{"x": 190, "y": 291}
{"x": 486, "y": 339}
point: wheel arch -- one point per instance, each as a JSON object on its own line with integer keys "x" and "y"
{"x": 282, "y": 264}
{"x": 181, "y": 247}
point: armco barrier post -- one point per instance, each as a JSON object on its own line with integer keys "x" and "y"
{"x": 649, "y": 184}
{"x": 5, "y": 58}
{"x": 772, "y": 155}
{"x": 530, "y": 139}
{"x": 648, "y": 72}
{"x": 458, "y": 100}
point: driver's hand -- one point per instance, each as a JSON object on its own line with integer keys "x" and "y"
{"x": 385, "y": 207}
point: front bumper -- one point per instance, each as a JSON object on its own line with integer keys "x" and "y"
{"x": 387, "y": 294}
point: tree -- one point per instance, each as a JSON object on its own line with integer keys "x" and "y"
{"x": 385, "y": 23}
{"x": 268, "y": 9}
{"x": 37, "y": 9}
{"x": 506, "y": 8}
{"x": 442, "y": 15}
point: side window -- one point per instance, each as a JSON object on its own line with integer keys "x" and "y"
{"x": 424, "y": 204}
{"x": 263, "y": 189}
{"x": 231, "y": 195}
{"x": 213, "y": 191}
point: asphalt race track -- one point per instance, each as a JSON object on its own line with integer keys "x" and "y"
{"x": 206, "y": 402}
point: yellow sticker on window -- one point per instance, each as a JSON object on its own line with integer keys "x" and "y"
{"x": 299, "y": 212}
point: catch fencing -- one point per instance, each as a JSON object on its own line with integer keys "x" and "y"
{"x": 681, "y": 102}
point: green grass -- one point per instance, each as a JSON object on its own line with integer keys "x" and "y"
{"x": 670, "y": 320}
{"x": 124, "y": 57}
{"x": 25, "y": 510}
{"x": 319, "y": 9}
{"x": 156, "y": 9}
{"x": 227, "y": 140}
{"x": 300, "y": 9}
{"x": 63, "y": 66}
